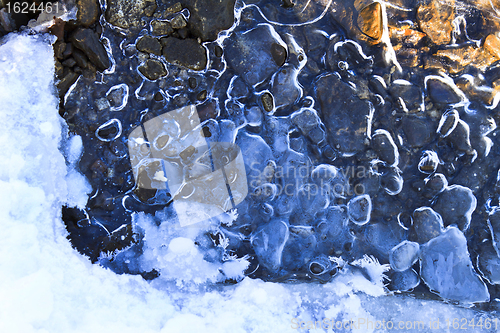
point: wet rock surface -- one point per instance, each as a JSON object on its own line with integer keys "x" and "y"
{"x": 365, "y": 129}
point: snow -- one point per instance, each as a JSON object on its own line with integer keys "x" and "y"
{"x": 46, "y": 286}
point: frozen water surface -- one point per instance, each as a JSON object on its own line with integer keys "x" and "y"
{"x": 362, "y": 179}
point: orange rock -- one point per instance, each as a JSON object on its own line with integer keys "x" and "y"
{"x": 492, "y": 44}
{"x": 405, "y": 35}
{"x": 434, "y": 19}
{"x": 370, "y": 20}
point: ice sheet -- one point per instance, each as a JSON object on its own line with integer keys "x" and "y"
{"x": 46, "y": 286}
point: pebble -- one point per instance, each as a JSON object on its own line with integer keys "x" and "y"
{"x": 185, "y": 52}
{"x": 88, "y": 42}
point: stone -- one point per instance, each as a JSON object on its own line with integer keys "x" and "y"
{"x": 447, "y": 270}
{"x": 87, "y": 41}
{"x": 209, "y": 17}
{"x": 126, "y": 14}
{"x": 153, "y": 69}
{"x": 427, "y": 224}
{"x": 88, "y": 12}
{"x": 149, "y": 45}
{"x": 185, "y": 52}
{"x": 255, "y": 54}
{"x": 178, "y": 22}
{"x": 434, "y": 19}
{"x": 346, "y": 116}
{"x": 456, "y": 204}
{"x": 419, "y": 131}
{"x": 370, "y": 20}
{"x": 161, "y": 28}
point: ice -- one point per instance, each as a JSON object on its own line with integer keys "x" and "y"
{"x": 404, "y": 281}
{"x": 404, "y": 255}
{"x": 47, "y": 286}
{"x": 268, "y": 243}
{"x": 447, "y": 269}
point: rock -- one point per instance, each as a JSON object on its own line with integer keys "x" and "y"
{"x": 125, "y": 14}
{"x": 161, "y": 28}
{"x": 346, "y": 116}
{"x": 178, "y": 22}
{"x": 489, "y": 263}
{"x": 456, "y": 205}
{"x": 370, "y": 20}
{"x": 443, "y": 90}
{"x": 88, "y": 12}
{"x": 448, "y": 122}
{"x": 209, "y": 17}
{"x": 254, "y": 54}
{"x": 419, "y": 131}
{"x": 384, "y": 146}
{"x": 153, "y": 69}
{"x": 185, "y": 52}
{"x": 80, "y": 58}
{"x": 285, "y": 88}
{"x": 410, "y": 94}
{"x": 427, "y": 224}
{"x": 149, "y": 45}
{"x": 404, "y": 281}
{"x": 87, "y": 41}
{"x": 66, "y": 82}
{"x": 434, "y": 19}
{"x": 447, "y": 270}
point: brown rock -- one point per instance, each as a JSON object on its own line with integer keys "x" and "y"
{"x": 88, "y": 12}
{"x": 370, "y": 20}
{"x": 126, "y": 14}
{"x": 87, "y": 41}
{"x": 161, "y": 28}
{"x": 434, "y": 18}
{"x": 185, "y": 52}
{"x": 153, "y": 69}
{"x": 149, "y": 44}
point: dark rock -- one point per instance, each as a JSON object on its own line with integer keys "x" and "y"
{"x": 178, "y": 22}
{"x": 185, "y": 52}
{"x": 161, "y": 28}
{"x": 66, "y": 82}
{"x": 442, "y": 91}
{"x": 346, "y": 116}
{"x": 68, "y": 51}
{"x": 126, "y": 14}
{"x": 59, "y": 48}
{"x": 279, "y": 54}
{"x": 408, "y": 92}
{"x": 209, "y": 17}
{"x": 427, "y": 224}
{"x": 252, "y": 54}
{"x": 88, "y": 12}
{"x": 456, "y": 205}
{"x": 153, "y": 69}
{"x": 149, "y": 45}
{"x": 87, "y": 41}
{"x": 419, "y": 131}
{"x": 80, "y": 58}
{"x": 70, "y": 62}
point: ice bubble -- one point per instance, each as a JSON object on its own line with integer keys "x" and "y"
{"x": 428, "y": 162}
{"x": 285, "y": 88}
{"x": 404, "y": 255}
{"x": 392, "y": 181}
{"x": 118, "y": 96}
{"x": 448, "y": 122}
{"x": 447, "y": 270}
{"x": 322, "y": 268}
{"x": 359, "y": 209}
{"x": 109, "y": 131}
